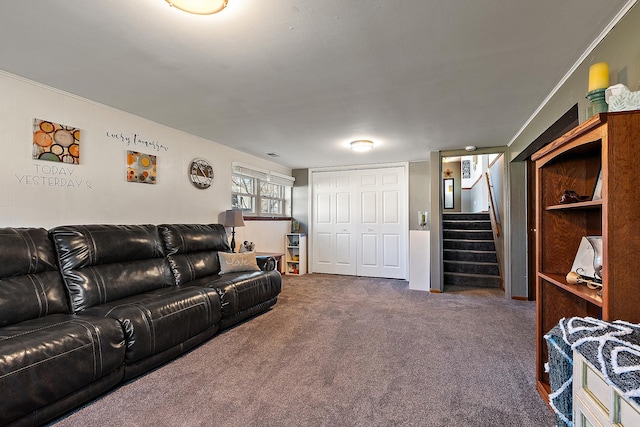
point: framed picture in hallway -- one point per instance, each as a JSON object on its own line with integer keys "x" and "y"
{"x": 448, "y": 193}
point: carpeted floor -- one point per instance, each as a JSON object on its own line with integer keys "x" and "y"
{"x": 348, "y": 351}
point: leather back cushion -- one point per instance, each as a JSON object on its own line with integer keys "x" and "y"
{"x": 30, "y": 285}
{"x": 104, "y": 263}
{"x": 192, "y": 249}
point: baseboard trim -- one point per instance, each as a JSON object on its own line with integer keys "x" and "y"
{"x": 520, "y": 298}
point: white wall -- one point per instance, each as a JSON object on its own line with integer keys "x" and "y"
{"x": 475, "y": 170}
{"x": 47, "y": 194}
{"x": 474, "y": 189}
{"x": 267, "y": 235}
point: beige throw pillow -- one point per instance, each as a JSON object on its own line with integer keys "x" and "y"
{"x": 234, "y": 262}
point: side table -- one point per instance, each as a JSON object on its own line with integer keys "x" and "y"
{"x": 274, "y": 255}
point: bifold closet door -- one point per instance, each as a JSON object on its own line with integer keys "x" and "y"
{"x": 360, "y": 222}
{"x": 381, "y": 236}
{"x": 334, "y": 249}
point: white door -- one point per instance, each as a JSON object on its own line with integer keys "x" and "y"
{"x": 334, "y": 249}
{"x": 360, "y": 222}
{"x": 382, "y": 227}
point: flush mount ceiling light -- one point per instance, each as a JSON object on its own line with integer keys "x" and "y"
{"x": 199, "y": 7}
{"x": 361, "y": 145}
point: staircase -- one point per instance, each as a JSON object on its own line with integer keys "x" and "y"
{"x": 469, "y": 253}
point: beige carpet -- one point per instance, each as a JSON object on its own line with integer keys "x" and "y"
{"x": 348, "y": 351}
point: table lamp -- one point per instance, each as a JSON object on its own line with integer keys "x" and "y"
{"x": 233, "y": 218}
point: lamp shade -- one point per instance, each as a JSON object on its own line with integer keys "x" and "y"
{"x": 199, "y": 7}
{"x": 233, "y": 218}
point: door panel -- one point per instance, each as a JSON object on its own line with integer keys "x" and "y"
{"x": 343, "y": 208}
{"x": 323, "y": 252}
{"x": 323, "y": 208}
{"x": 391, "y": 250}
{"x": 343, "y": 249}
{"x": 369, "y": 211}
{"x": 390, "y": 207}
{"x": 369, "y": 250}
{"x": 390, "y": 179}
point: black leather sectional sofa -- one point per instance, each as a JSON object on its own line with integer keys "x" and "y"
{"x": 84, "y": 308}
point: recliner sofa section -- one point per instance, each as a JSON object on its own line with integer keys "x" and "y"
{"x": 50, "y": 359}
{"x": 192, "y": 251}
{"x": 121, "y": 272}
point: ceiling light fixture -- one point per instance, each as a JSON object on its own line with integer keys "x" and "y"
{"x": 471, "y": 148}
{"x": 361, "y": 145}
{"x": 199, "y": 7}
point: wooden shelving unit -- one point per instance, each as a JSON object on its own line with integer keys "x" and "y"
{"x": 608, "y": 141}
{"x": 295, "y": 254}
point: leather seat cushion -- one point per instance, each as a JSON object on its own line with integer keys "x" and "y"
{"x": 241, "y": 291}
{"x": 45, "y": 359}
{"x": 157, "y": 320}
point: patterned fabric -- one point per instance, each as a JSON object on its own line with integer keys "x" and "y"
{"x": 612, "y": 347}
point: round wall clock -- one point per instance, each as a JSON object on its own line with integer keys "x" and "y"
{"x": 201, "y": 173}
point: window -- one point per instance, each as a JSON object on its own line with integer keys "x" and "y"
{"x": 260, "y": 193}
{"x": 243, "y": 193}
{"x": 271, "y": 198}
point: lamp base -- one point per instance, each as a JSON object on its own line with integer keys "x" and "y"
{"x": 233, "y": 239}
{"x": 598, "y": 103}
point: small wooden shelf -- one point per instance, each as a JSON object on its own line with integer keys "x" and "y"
{"x": 580, "y": 290}
{"x": 590, "y": 204}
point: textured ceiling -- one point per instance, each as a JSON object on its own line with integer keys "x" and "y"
{"x": 302, "y": 78}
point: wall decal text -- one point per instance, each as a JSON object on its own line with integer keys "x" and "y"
{"x": 136, "y": 140}
{"x": 53, "y": 176}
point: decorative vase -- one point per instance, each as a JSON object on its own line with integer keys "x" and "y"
{"x": 422, "y": 219}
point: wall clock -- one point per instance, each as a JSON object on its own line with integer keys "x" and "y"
{"x": 201, "y": 173}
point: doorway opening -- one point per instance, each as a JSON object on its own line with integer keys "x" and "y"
{"x": 472, "y": 212}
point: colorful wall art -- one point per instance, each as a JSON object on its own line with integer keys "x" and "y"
{"x": 55, "y": 142}
{"x": 141, "y": 167}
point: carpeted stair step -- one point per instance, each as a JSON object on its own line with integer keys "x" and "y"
{"x": 466, "y": 225}
{"x": 487, "y": 268}
{"x": 472, "y": 245}
{"x": 472, "y": 280}
{"x": 470, "y": 255}
{"x": 457, "y": 216}
{"x": 467, "y": 234}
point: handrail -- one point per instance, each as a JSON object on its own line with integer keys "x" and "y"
{"x": 495, "y": 221}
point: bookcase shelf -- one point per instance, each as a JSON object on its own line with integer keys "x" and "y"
{"x": 590, "y": 204}
{"x": 606, "y": 146}
{"x": 295, "y": 254}
{"x": 580, "y": 290}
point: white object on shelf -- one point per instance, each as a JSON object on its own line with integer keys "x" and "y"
{"x": 620, "y": 98}
{"x": 295, "y": 254}
{"x": 598, "y": 403}
{"x": 419, "y": 260}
